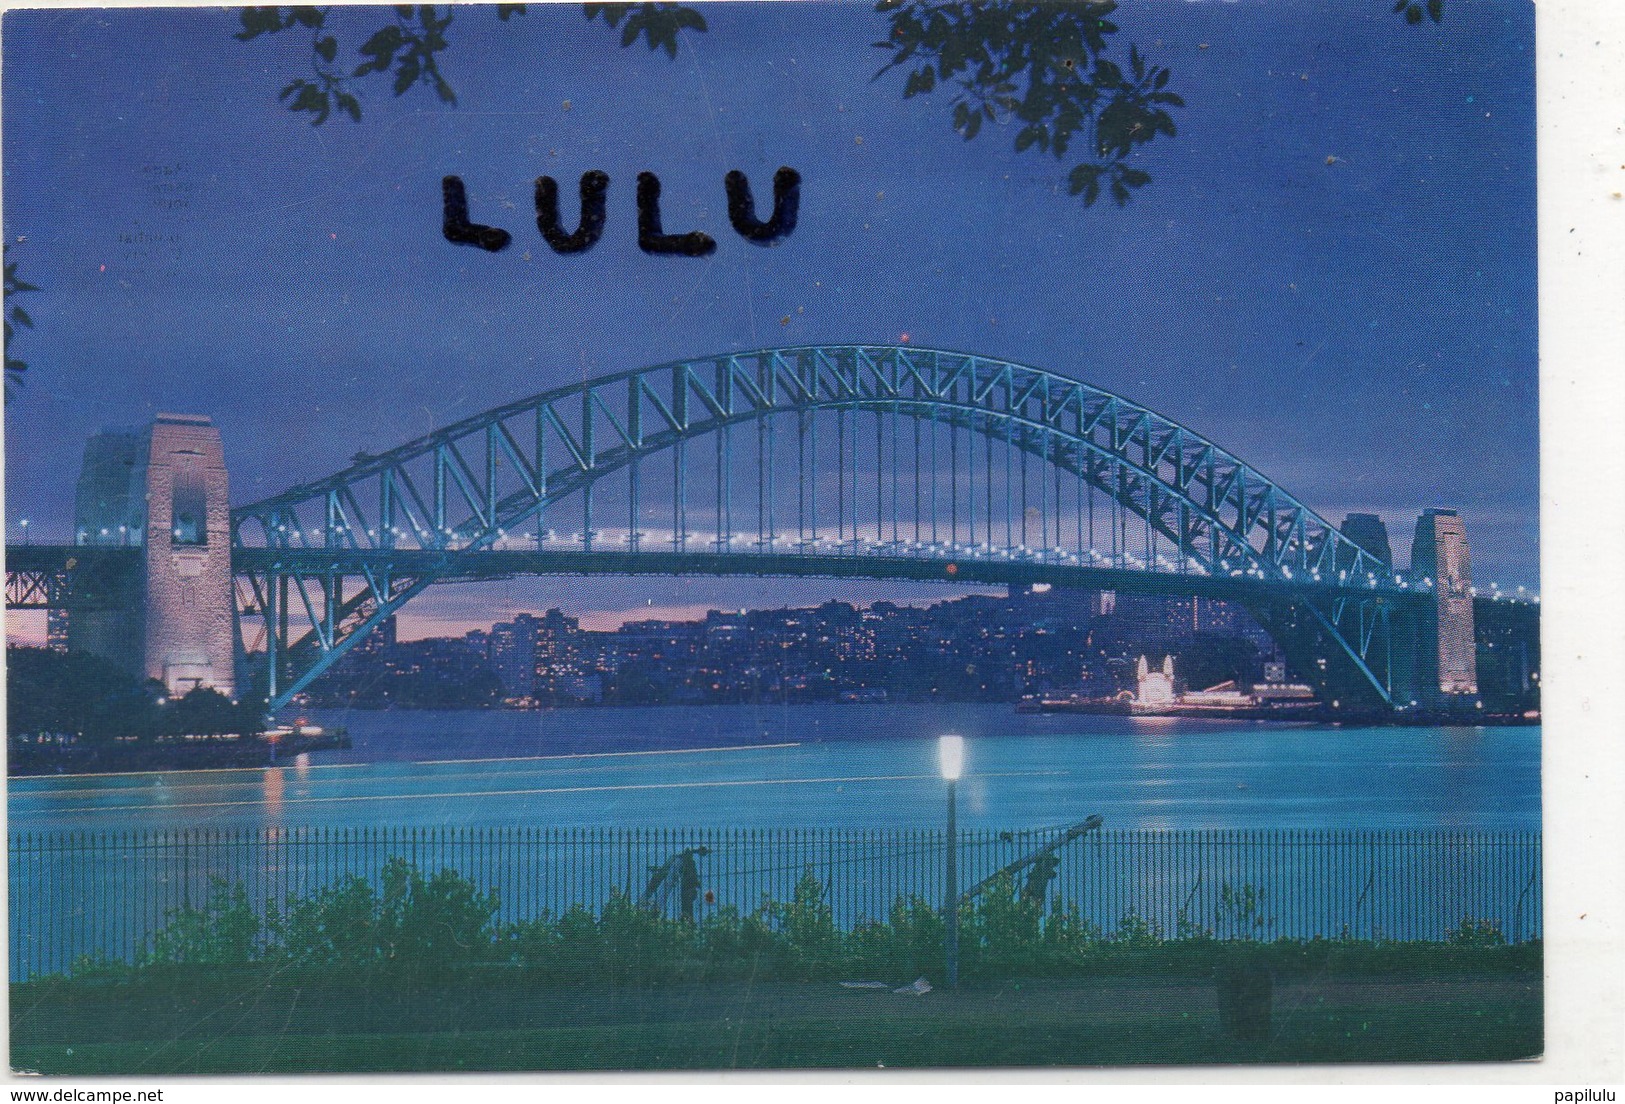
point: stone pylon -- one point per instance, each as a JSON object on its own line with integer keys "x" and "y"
{"x": 1440, "y": 561}
{"x": 163, "y": 490}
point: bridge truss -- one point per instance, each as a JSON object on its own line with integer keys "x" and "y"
{"x": 44, "y": 577}
{"x": 873, "y": 460}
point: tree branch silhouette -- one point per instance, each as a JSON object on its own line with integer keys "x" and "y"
{"x": 1412, "y": 10}
{"x": 408, "y": 48}
{"x": 1051, "y": 67}
{"x": 1042, "y": 67}
{"x": 16, "y": 318}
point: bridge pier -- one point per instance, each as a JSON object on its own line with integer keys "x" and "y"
{"x": 163, "y": 491}
{"x": 1413, "y": 649}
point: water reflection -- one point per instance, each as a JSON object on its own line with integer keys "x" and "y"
{"x": 272, "y": 786}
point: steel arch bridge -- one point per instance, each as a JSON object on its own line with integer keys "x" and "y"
{"x": 880, "y": 461}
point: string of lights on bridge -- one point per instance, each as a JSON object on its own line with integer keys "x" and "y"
{"x": 944, "y": 551}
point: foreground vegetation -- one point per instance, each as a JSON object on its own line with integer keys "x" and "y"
{"x": 416, "y": 973}
{"x": 442, "y": 926}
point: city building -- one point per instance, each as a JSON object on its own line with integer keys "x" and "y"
{"x": 511, "y": 650}
{"x": 1369, "y": 532}
{"x": 56, "y": 630}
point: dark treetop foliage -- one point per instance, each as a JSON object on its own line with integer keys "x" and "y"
{"x": 408, "y": 47}
{"x": 1412, "y": 10}
{"x": 1042, "y": 67}
{"x": 79, "y": 695}
{"x": 658, "y": 23}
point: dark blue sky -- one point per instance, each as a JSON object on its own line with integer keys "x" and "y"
{"x": 1332, "y": 274}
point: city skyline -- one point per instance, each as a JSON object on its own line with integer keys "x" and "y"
{"x": 1039, "y": 645}
{"x": 1332, "y": 270}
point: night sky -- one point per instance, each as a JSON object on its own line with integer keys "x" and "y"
{"x": 1332, "y": 273}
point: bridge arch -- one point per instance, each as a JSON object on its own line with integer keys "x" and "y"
{"x": 953, "y": 434}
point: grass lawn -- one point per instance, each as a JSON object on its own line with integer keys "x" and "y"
{"x": 269, "y": 1026}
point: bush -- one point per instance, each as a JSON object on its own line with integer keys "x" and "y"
{"x": 1134, "y": 930}
{"x": 443, "y": 920}
{"x": 1067, "y": 933}
{"x": 226, "y": 931}
{"x": 336, "y": 926}
{"x": 1476, "y": 933}
{"x": 1241, "y": 912}
{"x": 726, "y": 935}
{"x": 415, "y": 924}
{"x": 808, "y": 926}
{"x": 636, "y": 943}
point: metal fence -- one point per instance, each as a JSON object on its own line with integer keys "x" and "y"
{"x": 106, "y": 893}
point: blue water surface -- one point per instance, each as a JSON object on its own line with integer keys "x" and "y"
{"x": 858, "y": 766}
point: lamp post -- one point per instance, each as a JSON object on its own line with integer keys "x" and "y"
{"x": 951, "y": 762}
{"x": 24, "y": 523}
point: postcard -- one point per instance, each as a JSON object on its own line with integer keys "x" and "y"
{"x": 744, "y": 536}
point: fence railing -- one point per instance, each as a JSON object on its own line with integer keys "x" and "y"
{"x": 106, "y": 893}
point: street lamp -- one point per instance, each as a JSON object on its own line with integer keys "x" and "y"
{"x": 24, "y": 523}
{"x": 951, "y": 763}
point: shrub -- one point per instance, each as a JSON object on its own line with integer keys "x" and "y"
{"x": 1067, "y": 933}
{"x": 415, "y": 923}
{"x": 808, "y": 925}
{"x": 635, "y": 942}
{"x": 335, "y": 926}
{"x": 1476, "y": 933}
{"x": 441, "y": 920}
{"x": 918, "y": 932}
{"x": 726, "y": 934}
{"x": 1241, "y": 912}
{"x": 226, "y": 931}
{"x": 1001, "y": 930}
{"x": 1134, "y": 930}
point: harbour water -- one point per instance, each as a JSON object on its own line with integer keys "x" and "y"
{"x": 817, "y": 766}
{"x": 1387, "y": 832}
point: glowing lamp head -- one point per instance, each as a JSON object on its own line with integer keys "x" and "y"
{"x": 951, "y": 757}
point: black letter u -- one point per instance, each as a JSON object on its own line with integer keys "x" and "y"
{"x": 742, "y": 207}
{"x": 594, "y": 186}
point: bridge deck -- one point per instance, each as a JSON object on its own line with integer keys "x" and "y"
{"x": 463, "y": 566}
